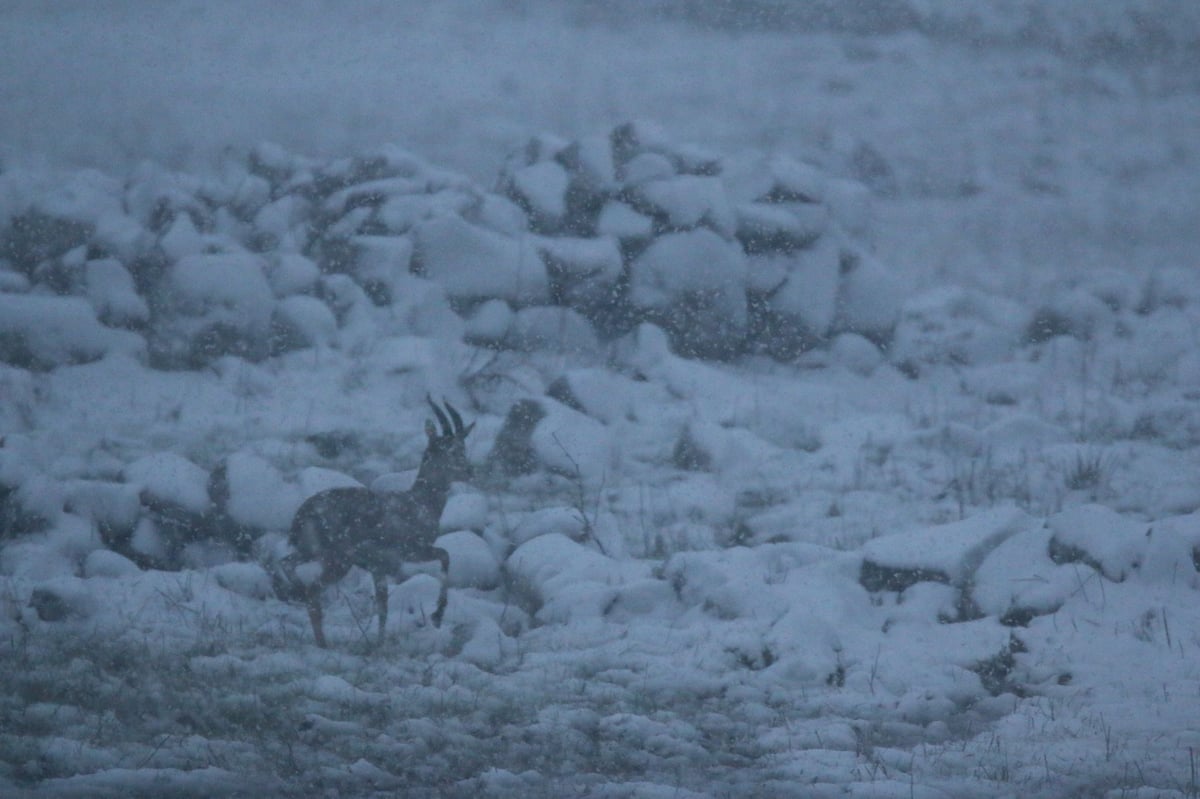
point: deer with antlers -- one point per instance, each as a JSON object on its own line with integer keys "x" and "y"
{"x": 336, "y": 529}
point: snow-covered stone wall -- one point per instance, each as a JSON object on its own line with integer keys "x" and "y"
{"x": 578, "y": 243}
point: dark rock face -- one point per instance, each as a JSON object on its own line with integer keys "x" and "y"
{"x": 513, "y": 453}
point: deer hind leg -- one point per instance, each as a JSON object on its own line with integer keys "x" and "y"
{"x": 381, "y": 602}
{"x": 444, "y": 558}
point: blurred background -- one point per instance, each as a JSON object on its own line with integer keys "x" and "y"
{"x": 1005, "y": 140}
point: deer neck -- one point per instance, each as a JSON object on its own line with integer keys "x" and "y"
{"x": 430, "y": 490}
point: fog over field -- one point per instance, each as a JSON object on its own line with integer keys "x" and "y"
{"x": 834, "y": 373}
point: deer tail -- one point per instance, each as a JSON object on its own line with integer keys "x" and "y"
{"x": 284, "y": 582}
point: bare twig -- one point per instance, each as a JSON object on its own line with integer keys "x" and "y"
{"x": 589, "y": 527}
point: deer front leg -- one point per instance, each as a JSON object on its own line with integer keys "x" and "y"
{"x": 316, "y": 616}
{"x": 444, "y": 558}
{"x": 381, "y": 603}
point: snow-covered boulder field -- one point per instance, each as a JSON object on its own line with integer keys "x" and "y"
{"x": 749, "y": 516}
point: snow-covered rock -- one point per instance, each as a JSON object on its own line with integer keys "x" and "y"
{"x": 41, "y": 332}
{"x": 1173, "y": 287}
{"x": 36, "y": 558}
{"x": 472, "y": 562}
{"x": 488, "y": 645}
{"x": 689, "y": 201}
{"x": 546, "y": 434}
{"x": 707, "y": 446}
{"x": 252, "y": 493}
{"x": 1018, "y": 579}
{"x": 565, "y": 581}
{"x": 64, "y": 600}
{"x": 74, "y": 537}
{"x": 956, "y": 326}
{"x": 59, "y": 220}
{"x": 805, "y": 305}
{"x": 572, "y": 444}
{"x": 465, "y": 510}
{"x": 695, "y": 283}
{"x": 774, "y": 228}
{"x": 166, "y": 478}
{"x": 105, "y": 563}
{"x": 401, "y": 213}
{"x": 730, "y": 583}
{"x": 181, "y": 239}
{"x": 850, "y": 204}
{"x": 280, "y": 222}
{"x": 148, "y": 545}
{"x": 232, "y": 286}
{"x": 111, "y": 290}
{"x": 219, "y": 304}
{"x": 12, "y": 281}
{"x": 622, "y": 221}
{"x": 246, "y": 579}
{"x": 405, "y": 355}
{"x": 751, "y": 176}
{"x": 546, "y": 521}
{"x": 489, "y": 323}
{"x": 380, "y": 262}
{"x": 598, "y": 392}
{"x": 1099, "y": 537}
{"x": 583, "y": 272}
{"x": 1173, "y": 551}
{"x": 291, "y": 273}
{"x": 114, "y": 507}
{"x": 869, "y": 296}
{"x": 541, "y": 189}
{"x": 546, "y": 328}
{"x": 34, "y": 500}
{"x": 299, "y": 322}
{"x": 645, "y": 167}
{"x": 856, "y": 353}
{"x": 948, "y": 553}
{"x": 1074, "y": 312}
{"x": 501, "y": 215}
{"x": 475, "y": 263}
{"x": 370, "y": 192}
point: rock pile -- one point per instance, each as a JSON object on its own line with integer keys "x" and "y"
{"x": 578, "y": 243}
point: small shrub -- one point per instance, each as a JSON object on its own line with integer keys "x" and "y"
{"x": 1089, "y": 472}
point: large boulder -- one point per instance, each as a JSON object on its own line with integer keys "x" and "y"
{"x": 544, "y": 434}
{"x": 42, "y": 332}
{"x": 693, "y": 283}
{"x": 473, "y": 263}
{"x": 212, "y": 305}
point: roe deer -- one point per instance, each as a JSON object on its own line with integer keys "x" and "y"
{"x": 376, "y": 531}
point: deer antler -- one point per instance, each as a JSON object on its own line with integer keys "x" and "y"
{"x": 454, "y": 417}
{"x": 447, "y": 430}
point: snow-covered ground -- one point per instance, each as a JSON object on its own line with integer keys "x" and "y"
{"x": 837, "y": 430}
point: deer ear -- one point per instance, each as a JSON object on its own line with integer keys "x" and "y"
{"x": 430, "y": 429}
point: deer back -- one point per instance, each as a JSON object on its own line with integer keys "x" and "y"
{"x": 344, "y": 527}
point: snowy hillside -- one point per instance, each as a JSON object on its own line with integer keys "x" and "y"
{"x": 837, "y": 432}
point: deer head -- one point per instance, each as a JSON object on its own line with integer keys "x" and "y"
{"x": 445, "y": 458}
